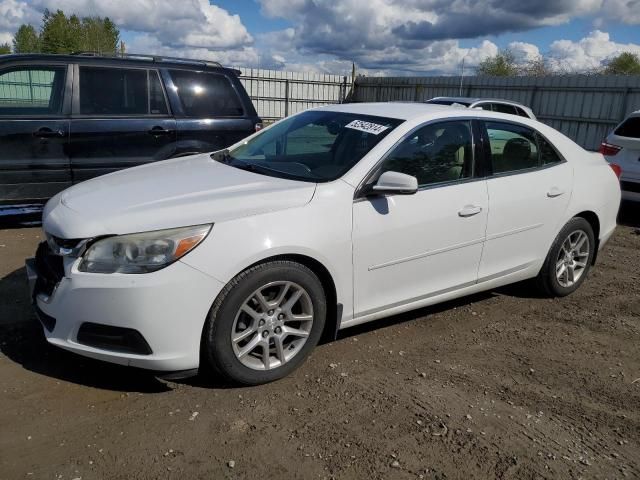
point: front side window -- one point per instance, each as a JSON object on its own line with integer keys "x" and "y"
{"x": 206, "y": 95}
{"x": 120, "y": 91}
{"x": 435, "y": 153}
{"x": 32, "y": 90}
{"x": 315, "y": 146}
{"x": 513, "y": 147}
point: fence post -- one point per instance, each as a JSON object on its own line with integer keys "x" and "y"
{"x": 286, "y": 97}
{"x": 343, "y": 87}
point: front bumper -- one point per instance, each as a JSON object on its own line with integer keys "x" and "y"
{"x": 168, "y": 308}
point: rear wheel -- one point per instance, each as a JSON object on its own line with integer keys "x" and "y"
{"x": 265, "y": 322}
{"x": 569, "y": 259}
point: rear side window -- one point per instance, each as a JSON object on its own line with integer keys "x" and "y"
{"x": 629, "y": 128}
{"x": 436, "y": 153}
{"x": 548, "y": 154}
{"x": 521, "y": 112}
{"x": 206, "y": 95}
{"x": 120, "y": 91}
{"x": 504, "y": 108}
{"x": 513, "y": 147}
{"x": 32, "y": 90}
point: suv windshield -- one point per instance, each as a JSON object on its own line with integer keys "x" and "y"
{"x": 315, "y": 146}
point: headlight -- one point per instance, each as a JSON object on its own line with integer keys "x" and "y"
{"x": 141, "y": 252}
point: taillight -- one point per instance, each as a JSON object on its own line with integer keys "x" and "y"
{"x": 608, "y": 149}
{"x": 258, "y": 126}
{"x": 616, "y": 169}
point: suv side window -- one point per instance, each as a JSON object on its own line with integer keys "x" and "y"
{"x": 485, "y": 106}
{"x": 32, "y": 90}
{"x": 513, "y": 147}
{"x": 504, "y": 108}
{"x": 120, "y": 91}
{"x": 436, "y": 153}
{"x": 206, "y": 94}
{"x": 521, "y": 112}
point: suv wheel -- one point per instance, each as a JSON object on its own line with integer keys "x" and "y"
{"x": 265, "y": 323}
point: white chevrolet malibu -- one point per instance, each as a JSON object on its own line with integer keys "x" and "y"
{"x": 241, "y": 260}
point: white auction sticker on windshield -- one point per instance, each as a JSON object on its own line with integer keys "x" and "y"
{"x": 367, "y": 127}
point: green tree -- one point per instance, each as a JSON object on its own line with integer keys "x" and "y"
{"x": 5, "y": 48}
{"x": 59, "y": 34}
{"x": 503, "y": 64}
{"x": 539, "y": 67}
{"x": 26, "y": 40}
{"x": 99, "y": 35}
{"x": 626, "y": 63}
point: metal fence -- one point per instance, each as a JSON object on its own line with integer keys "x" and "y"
{"x": 585, "y": 108}
{"x": 277, "y": 94}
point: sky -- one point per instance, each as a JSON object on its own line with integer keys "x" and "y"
{"x": 382, "y": 37}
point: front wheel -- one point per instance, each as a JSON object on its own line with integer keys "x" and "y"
{"x": 569, "y": 259}
{"x": 265, "y": 322}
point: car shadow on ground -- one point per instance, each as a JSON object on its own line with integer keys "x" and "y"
{"x": 629, "y": 214}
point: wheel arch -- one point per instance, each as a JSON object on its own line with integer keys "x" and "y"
{"x": 334, "y": 309}
{"x": 592, "y": 218}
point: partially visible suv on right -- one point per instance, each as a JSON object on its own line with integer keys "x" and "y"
{"x": 622, "y": 146}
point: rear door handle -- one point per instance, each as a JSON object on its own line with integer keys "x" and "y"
{"x": 469, "y": 211}
{"x": 554, "y": 192}
{"x": 46, "y": 132}
{"x": 159, "y": 131}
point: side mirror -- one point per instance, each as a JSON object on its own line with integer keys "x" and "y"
{"x": 396, "y": 183}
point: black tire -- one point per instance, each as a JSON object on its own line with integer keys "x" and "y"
{"x": 547, "y": 280}
{"x": 217, "y": 348}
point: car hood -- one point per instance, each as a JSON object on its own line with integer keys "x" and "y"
{"x": 179, "y": 192}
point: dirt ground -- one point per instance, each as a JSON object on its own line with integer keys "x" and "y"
{"x": 500, "y": 385}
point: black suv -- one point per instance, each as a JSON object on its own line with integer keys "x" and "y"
{"x": 68, "y": 118}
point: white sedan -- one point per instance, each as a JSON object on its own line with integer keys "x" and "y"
{"x": 241, "y": 260}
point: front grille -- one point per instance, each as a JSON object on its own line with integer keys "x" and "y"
{"x": 117, "y": 339}
{"x": 50, "y": 270}
{"x": 630, "y": 186}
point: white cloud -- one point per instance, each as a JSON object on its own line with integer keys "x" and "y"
{"x": 14, "y": 13}
{"x": 588, "y": 53}
{"x": 524, "y": 52}
{"x": 625, "y": 11}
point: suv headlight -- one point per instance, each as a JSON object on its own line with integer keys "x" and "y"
{"x": 141, "y": 252}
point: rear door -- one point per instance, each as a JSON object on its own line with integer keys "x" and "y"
{"x": 529, "y": 186}
{"x": 209, "y": 110}
{"x": 34, "y": 132}
{"x": 120, "y": 119}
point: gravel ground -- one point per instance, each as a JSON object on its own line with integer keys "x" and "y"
{"x": 499, "y": 385}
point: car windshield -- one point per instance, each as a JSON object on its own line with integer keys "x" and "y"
{"x": 315, "y": 146}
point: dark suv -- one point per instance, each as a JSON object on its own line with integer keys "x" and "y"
{"x": 68, "y": 118}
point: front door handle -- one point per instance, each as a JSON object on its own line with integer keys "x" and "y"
{"x": 159, "y": 131}
{"x": 554, "y": 192}
{"x": 46, "y": 132}
{"x": 469, "y": 211}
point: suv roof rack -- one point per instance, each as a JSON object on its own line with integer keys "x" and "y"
{"x": 152, "y": 58}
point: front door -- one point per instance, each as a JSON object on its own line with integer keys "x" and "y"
{"x": 34, "y": 133}
{"x": 120, "y": 120}
{"x": 408, "y": 248}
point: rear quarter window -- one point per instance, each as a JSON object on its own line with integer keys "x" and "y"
{"x": 206, "y": 95}
{"x": 629, "y": 128}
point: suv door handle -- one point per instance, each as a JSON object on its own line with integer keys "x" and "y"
{"x": 159, "y": 131}
{"x": 469, "y": 211}
{"x": 46, "y": 132}
{"x": 554, "y": 192}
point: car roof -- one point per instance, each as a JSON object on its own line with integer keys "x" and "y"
{"x": 416, "y": 111}
{"x": 128, "y": 59}
{"x": 478, "y": 99}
